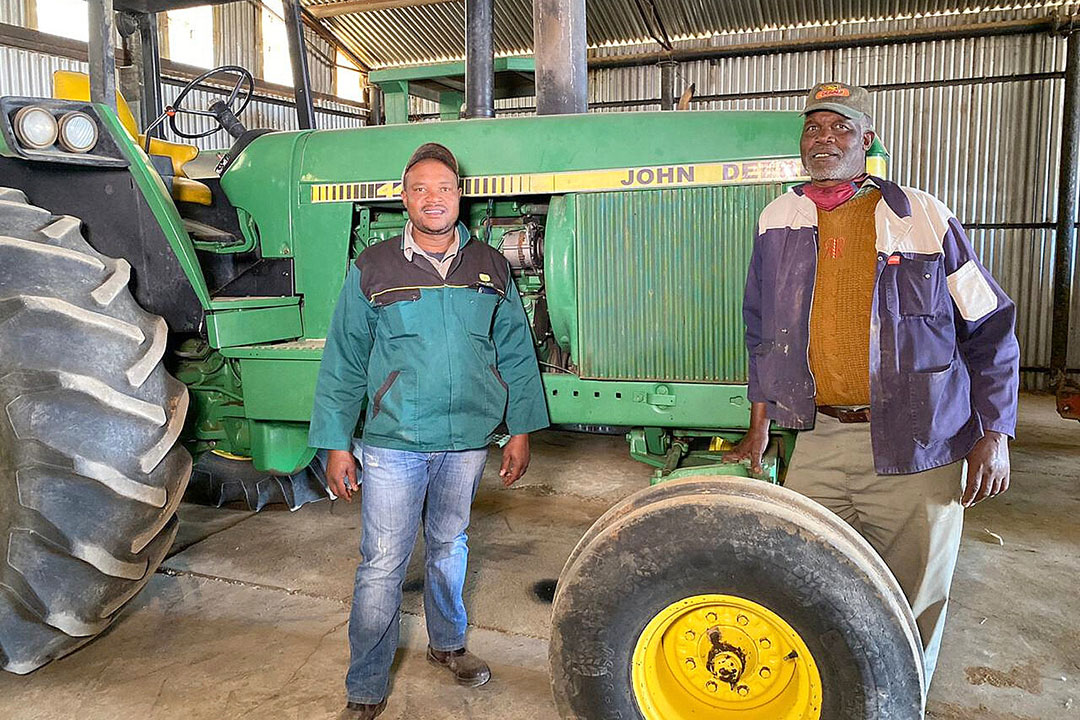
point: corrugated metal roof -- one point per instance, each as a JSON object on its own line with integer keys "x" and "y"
{"x": 436, "y": 32}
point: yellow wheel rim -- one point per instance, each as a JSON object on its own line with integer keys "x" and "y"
{"x": 724, "y": 657}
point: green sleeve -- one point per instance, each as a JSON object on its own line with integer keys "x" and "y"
{"x": 526, "y": 408}
{"x": 342, "y": 384}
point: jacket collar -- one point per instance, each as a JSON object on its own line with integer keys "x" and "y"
{"x": 891, "y": 193}
{"x": 463, "y": 237}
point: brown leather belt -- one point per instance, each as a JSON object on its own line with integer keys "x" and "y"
{"x": 846, "y": 415}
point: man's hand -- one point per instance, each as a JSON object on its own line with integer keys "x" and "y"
{"x": 751, "y": 447}
{"x": 754, "y": 442}
{"x": 341, "y": 474}
{"x": 515, "y": 459}
{"x": 988, "y": 469}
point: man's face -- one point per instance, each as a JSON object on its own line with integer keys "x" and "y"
{"x": 431, "y": 197}
{"x": 834, "y": 147}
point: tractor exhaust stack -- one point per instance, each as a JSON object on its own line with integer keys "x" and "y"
{"x": 561, "y": 64}
{"x": 479, "y": 58}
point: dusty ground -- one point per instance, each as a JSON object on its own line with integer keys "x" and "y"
{"x": 247, "y": 618}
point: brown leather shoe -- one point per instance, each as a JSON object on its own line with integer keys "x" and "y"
{"x": 468, "y": 670}
{"x": 360, "y": 711}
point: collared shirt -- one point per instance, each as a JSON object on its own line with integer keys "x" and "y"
{"x": 441, "y": 265}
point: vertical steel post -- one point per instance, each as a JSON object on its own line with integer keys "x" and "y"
{"x": 479, "y": 58}
{"x": 375, "y": 105}
{"x": 1066, "y": 212}
{"x": 561, "y": 63}
{"x": 294, "y": 27}
{"x": 667, "y": 84}
{"x": 150, "y": 65}
{"x": 102, "y": 53}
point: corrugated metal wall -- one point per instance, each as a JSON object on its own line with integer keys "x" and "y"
{"x": 236, "y": 43}
{"x": 238, "y": 31}
{"x": 29, "y": 73}
{"x": 13, "y": 12}
{"x": 23, "y": 72}
{"x": 976, "y": 122}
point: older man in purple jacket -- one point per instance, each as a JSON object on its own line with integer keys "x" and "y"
{"x": 873, "y": 327}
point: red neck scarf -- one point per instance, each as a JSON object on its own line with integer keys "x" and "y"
{"x": 830, "y": 198}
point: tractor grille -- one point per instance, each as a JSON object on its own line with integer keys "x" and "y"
{"x": 661, "y": 277}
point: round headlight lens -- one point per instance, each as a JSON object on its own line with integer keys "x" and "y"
{"x": 35, "y": 127}
{"x": 78, "y": 132}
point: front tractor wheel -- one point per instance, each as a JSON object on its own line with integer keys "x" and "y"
{"x": 723, "y": 656}
{"x": 90, "y": 472}
{"x": 731, "y": 599}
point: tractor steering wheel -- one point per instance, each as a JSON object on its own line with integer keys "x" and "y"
{"x": 237, "y": 99}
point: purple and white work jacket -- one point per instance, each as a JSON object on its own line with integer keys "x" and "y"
{"x": 944, "y": 361}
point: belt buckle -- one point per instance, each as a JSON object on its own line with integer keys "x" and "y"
{"x": 853, "y": 415}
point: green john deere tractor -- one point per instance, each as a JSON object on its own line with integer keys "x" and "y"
{"x": 147, "y": 318}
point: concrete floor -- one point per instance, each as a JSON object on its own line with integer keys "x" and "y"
{"x": 247, "y": 617}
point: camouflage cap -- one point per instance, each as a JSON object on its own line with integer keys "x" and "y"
{"x": 432, "y": 151}
{"x": 851, "y": 101}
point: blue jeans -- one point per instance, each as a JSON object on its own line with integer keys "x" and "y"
{"x": 399, "y": 488}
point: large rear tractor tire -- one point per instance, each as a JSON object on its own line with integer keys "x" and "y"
{"x": 731, "y": 599}
{"x": 90, "y": 472}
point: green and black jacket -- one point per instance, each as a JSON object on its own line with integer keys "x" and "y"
{"x": 442, "y": 363}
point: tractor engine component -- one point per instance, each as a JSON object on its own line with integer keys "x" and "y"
{"x": 524, "y": 248}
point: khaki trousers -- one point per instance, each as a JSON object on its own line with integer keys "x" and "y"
{"x": 913, "y": 521}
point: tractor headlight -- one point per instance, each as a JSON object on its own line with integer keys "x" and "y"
{"x": 35, "y": 127}
{"x": 78, "y": 132}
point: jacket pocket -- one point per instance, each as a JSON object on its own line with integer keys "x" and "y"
{"x": 393, "y": 410}
{"x": 376, "y": 402}
{"x": 476, "y": 310}
{"x": 939, "y": 403}
{"x": 403, "y": 317}
{"x": 915, "y": 288}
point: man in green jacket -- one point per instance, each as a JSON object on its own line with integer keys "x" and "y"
{"x": 430, "y": 330}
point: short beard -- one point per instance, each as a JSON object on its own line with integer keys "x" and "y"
{"x": 846, "y": 172}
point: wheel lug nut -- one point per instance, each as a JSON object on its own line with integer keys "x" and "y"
{"x": 765, "y": 672}
{"x": 711, "y": 617}
{"x": 710, "y": 686}
{"x": 690, "y": 663}
{"x": 743, "y": 690}
{"x": 743, "y": 620}
{"x": 765, "y": 643}
{"x": 689, "y": 635}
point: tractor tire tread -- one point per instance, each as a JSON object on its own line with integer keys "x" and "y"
{"x": 90, "y": 470}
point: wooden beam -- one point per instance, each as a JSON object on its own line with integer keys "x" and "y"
{"x": 358, "y": 6}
